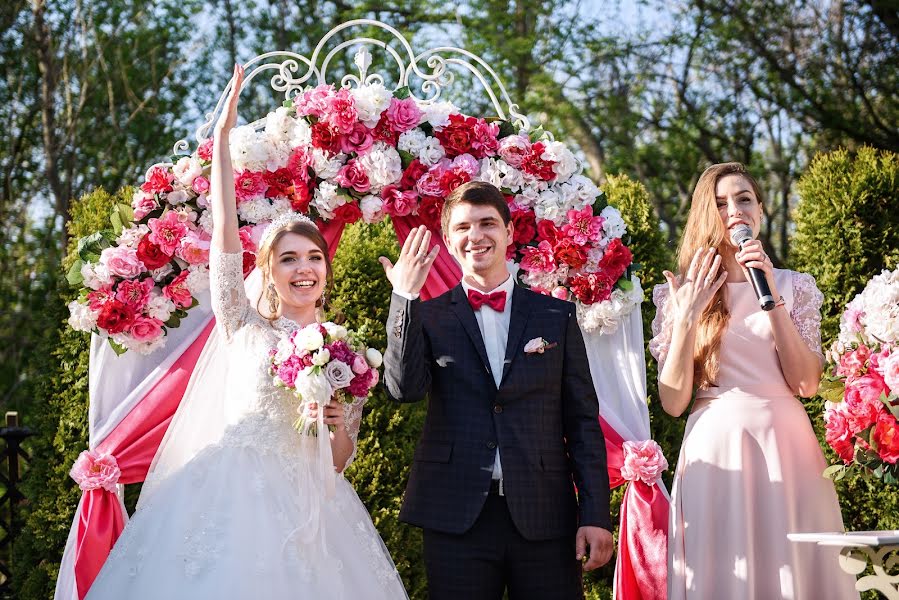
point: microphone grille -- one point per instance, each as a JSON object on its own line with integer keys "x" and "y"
{"x": 740, "y": 234}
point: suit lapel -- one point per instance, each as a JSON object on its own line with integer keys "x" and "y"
{"x": 462, "y": 308}
{"x": 521, "y": 309}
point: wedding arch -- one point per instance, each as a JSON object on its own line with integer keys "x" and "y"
{"x": 364, "y": 149}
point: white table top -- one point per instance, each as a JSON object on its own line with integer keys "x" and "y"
{"x": 849, "y": 538}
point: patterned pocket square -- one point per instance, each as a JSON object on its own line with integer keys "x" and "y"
{"x": 538, "y": 346}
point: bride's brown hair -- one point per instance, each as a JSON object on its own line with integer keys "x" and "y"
{"x": 264, "y": 260}
{"x": 704, "y": 229}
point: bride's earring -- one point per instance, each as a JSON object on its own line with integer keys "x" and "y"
{"x": 272, "y": 298}
{"x": 324, "y": 299}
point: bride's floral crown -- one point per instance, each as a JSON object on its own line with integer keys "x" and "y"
{"x": 283, "y": 221}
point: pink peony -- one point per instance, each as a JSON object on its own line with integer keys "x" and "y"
{"x": 429, "y": 184}
{"x": 167, "y": 232}
{"x": 404, "y": 115}
{"x": 485, "y": 143}
{"x": 340, "y": 351}
{"x": 398, "y": 203}
{"x": 362, "y": 383}
{"x": 97, "y": 298}
{"x": 194, "y": 248}
{"x": 122, "y": 261}
{"x": 352, "y": 175}
{"x": 177, "y": 291}
{"x": 538, "y": 259}
{"x": 94, "y": 470}
{"x": 145, "y": 329}
{"x": 204, "y": 151}
{"x": 560, "y": 292}
{"x": 135, "y": 293}
{"x": 289, "y": 369}
{"x": 249, "y": 185}
{"x": 513, "y": 149}
{"x": 582, "y": 226}
{"x": 341, "y": 111}
{"x": 358, "y": 140}
{"x": 643, "y": 461}
{"x": 159, "y": 181}
{"x": 852, "y": 364}
{"x": 862, "y": 400}
{"x": 315, "y": 101}
{"x": 246, "y": 239}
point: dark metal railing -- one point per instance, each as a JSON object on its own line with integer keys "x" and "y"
{"x": 14, "y": 457}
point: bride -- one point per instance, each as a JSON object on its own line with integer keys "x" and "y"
{"x": 253, "y": 510}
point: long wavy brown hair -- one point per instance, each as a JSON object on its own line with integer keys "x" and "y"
{"x": 704, "y": 229}
{"x": 264, "y": 261}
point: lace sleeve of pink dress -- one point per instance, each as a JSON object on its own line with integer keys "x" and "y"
{"x": 229, "y": 299}
{"x": 661, "y": 325}
{"x": 806, "y": 311}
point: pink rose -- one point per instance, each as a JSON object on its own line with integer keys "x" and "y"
{"x": 143, "y": 204}
{"x": 122, "y": 261}
{"x": 352, "y": 175}
{"x": 200, "y": 185}
{"x": 839, "y": 434}
{"x": 358, "y": 140}
{"x": 643, "y": 460}
{"x": 398, "y": 203}
{"x": 135, "y": 293}
{"x": 513, "y": 149}
{"x": 145, "y": 329}
{"x": 94, "y": 470}
{"x": 852, "y": 364}
{"x": 404, "y": 115}
{"x": 538, "y": 259}
{"x": 359, "y": 364}
{"x": 167, "y": 232}
{"x": 249, "y": 185}
{"x": 177, "y": 291}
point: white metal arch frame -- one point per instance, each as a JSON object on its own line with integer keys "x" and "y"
{"x": 285, "y": 69}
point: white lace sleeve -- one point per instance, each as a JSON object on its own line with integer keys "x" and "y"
{"x": 806, "y": 311}
{"x": 229, "y": 300}
{"x": 353, "y": 415}
{"x": 661, "y": 325}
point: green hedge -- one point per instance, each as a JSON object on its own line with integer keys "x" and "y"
{"x": 389, "y": 433}
{"x": 848, "y": 231}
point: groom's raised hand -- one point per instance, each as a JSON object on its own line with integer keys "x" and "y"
{"x": 411, "y": 270}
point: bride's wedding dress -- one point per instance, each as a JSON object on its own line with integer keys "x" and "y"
{"x": 251, "y": 514}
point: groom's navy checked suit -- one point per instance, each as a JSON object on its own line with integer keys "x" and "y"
{"x": 543, "y": 417}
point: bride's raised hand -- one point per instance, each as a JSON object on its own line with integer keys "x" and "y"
{"x": 228, "y": 118}
{"x": 692, "y": 295}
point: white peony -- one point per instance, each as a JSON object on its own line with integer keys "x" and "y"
{"x": 283, "y": 350}
{"x": 613, "y": 224}
{"x": 326, "y": 166}
{"x": 321, "y": 357}
{"x": 370, "y": 101}
{"x": 160, "y": 307}
{"x": 565, "y": 165}
{"x": 437, "y": 113}
{"x": 383, "y": 166}
{"x": 187, "y": 169}
{"x": 374, "y": 358}
{"x": 372, "y": 209}
{"x": 338, "y": 332}
{"x": 309, "y": 338}
{"x": 300, "y": 135}
{"x": 81, "y": 317}
{"x": 279, "y": 125}
{"x": 249, "y": 149}
{"x": 412, "y": 141}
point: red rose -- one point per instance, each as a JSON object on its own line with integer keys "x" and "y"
{"x": 325, "y": 137}
{"x": 383, "y": 131}
{"x": 570, "y": 253}
{"x": 525, "y": 226}
{"x": 115, "y": 316}
{"x": 452, "y": 179}
{"x": 547, "y": 230}
{"x": 410, "y": 176}
{"x": 591, "y": 288}
{"x": 886, "y": 437}
{"x": 616, "y": 258}
{"x": 429, "y": 210}
{"x": 159, "y": 181}
{"x": 280, "y": 183}
{"x": 151, "y": 254}
{"x": 249, "y": 263}
{"x": 458, "y": 135}
{"x": 301, "y": 198}
{"x": 348, "y": 213}
{"x": 298, "y": 163}
{"x": 204, "y": 152}
{"x": 537, "y": 167}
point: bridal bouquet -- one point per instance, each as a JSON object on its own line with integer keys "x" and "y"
{"x": 321, "y": 362}
{"x": 861, "y": 384}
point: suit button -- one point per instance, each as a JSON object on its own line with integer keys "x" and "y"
{"x": 497, "y": 408}
{"x": 491, "y": 445}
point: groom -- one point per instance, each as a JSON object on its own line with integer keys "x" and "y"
{"x": 512, "y": 424}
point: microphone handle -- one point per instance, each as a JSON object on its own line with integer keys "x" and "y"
{"x": 762, "y": 291}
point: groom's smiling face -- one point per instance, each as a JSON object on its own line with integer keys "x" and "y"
{"x": 478, "y": 238}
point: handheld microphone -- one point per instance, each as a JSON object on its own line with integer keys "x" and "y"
{"x": 740, "y": 235}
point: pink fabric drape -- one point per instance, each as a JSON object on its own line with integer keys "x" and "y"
{"x": 445, "y": 272}
{"x": 134, "y": 443}
{"x": 642, "y": 567}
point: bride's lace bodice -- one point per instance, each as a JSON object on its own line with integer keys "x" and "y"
{"x": 257, "y": 412}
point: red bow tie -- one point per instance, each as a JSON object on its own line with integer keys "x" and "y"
{"x": 496, "y": 300}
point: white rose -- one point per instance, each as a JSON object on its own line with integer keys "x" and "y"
{"x": 187, "y": 169}
{"x": 321, "y": 357}
{"x": 338, "y": 332}
{"x": 339, "y": 374}
{"x": 374, "y": 358}
{"x": 372, "y": 209}
{"x": 81, "y": 317}
{"x": 309, "y": 338}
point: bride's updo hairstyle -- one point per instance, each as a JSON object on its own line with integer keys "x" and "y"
{"x": 269, "y": 298}
{"x": 704, "y": 229}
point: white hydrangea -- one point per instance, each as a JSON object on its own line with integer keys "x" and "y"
{"x": 249, "y": 149}
{"x": 95, "y": 275}
{"x": 437, "y": 113}
{"x": 370, "y": 101}
{"x": 301, "y": 134}
{"x": 594, "y": 255}
{"x": 281, "y": 205}
{"x": 491, "y": 172}
{"x": 876, "y": 310}
{"x": 412, "y": 141}
{"x": 132, "y": 235}
{"x": 326, "y": 166}
{"x": 431, "y": 152}
{"x": 256, "y": 211}
{"x": 197, "y": 279}
{"x": 326, "y": 199}
{"x": 81, "y": 317}
{"x": 133, "y": 345}
{"x": 205, "y": 221}
{"x": 565, "y": 165}
{"x": 528, "y": 196}
{"x": 613, "y": 225}
{"x": 160, "y": 307}
{"x": 279, "y": 125}
{"x": 551, "y": 206}
{"x": 372, "y": 209}
{"x": 383, "y": 166}
{"x": 586, "y": 190}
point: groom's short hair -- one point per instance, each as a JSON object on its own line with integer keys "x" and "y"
{"x": 479, "y": 193}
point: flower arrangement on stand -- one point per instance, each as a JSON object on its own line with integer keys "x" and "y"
{"x": 347, "y": 154}
{"x": 861, "y": 383}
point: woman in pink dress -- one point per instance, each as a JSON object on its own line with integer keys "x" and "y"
{"x": 749, "y": 470}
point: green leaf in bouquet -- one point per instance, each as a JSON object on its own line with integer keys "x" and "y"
{"x": 90, "y": 247}
{"x": 625, "y": 284}
{"x": 117, "y": 348}
{"x": 74, "y": 275}
{"x": 506, "y": 128}
{"x": 174, "y": 320}
{"x": 831, "y": 390}
{"x": 427, "y": 128}
{"x": 402, "y": 93}
{"x": 116, "y": 222}
{"x": 835, "y": 472}
{"x": 194, "y": 302}
{"x": 892, "y": 404}
{"x": 536, "y": 134}
{"x": 126, "y": 213}
{"x": 406, "y": 157}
